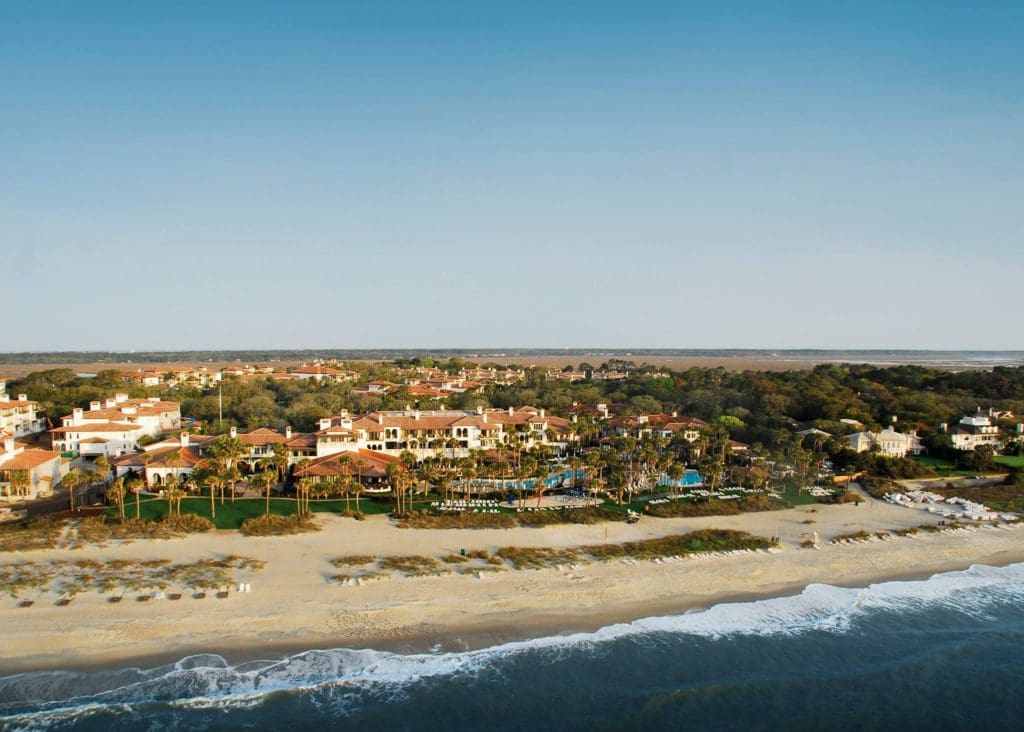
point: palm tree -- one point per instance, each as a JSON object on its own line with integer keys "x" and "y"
{"x": 145, "y": 458}
{"x": 302, "y": 489}
{"x": 72, "y": 480}
{"x": 257, "y": 482}
{"x": 103, "y": 467}
{"x": 171, "y": 492}
{"x": 280, "y": 456}
{"x": 395, "y": 474}
{"x": 357, "y": 490}
{"x": 228, "y": 451}
{"x": 675, "y": 472}
{"x": 208, "y": 476}
{"x": 20, "y": 482}
{"x": 135, "y": 484}
{"x": 345, "y": 465}
{"x": 116, "y": 491}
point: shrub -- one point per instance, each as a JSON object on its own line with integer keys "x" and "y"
{"x": 718, "y": 507}
{"x": 274, "y": 525}
{"x": 188, "y": 523}
{"x": 353, "y": 560}
{"x": 454, "y": 559}
{"x": 706, "y": 540}
{"x": 39, "y": 534}
{"x": 411, "y": 564}
{"x": 425, "y": 520}
{"x": 537, "y": 558}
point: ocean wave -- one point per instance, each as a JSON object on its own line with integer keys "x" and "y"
{"x": 207, "y": 681}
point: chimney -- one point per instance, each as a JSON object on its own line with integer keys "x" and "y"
{"x": 233, "y": 432}
{"x": 9, "y": 445}
{"x": 110, "y": 403}
{"x": 675, "y": 414}
{"x": 943, "y": 427}
{"x": 416, "y": 415}
{"x": 120, "y": 398}
{"x": 479, "y": 408}
{"x": 288, "y": 432}
{"x": 22, "y": 397}
{"x": 325, "y": 423}
{"x": 575, "y": 417}
{"x": 93, "y": 406}
{"x": 185, "y": 438}
{"x": 76, "y": 413}
{"x": 542, "y": 414}
{"x": 1020, "y": 428}
{"x": 510, "y": 411}
{"x": 484, "y": 417}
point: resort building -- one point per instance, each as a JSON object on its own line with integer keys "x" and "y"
{"x": 20, "y": 416}
{"x": 974, "y": 431}
{"x": 300, "y": 446}
{"x": 178, "y": 457}
{"x": 143, "y": 378}
{"x": 319, "y": 372}
{"x": 368, "y": 468}
{"x": 889, "y": 442}
{"x": 426, "y": 433}
{"x": 27, "y": 474}
{"x": 665, "y": 426}
{"x": 115, "y": 426}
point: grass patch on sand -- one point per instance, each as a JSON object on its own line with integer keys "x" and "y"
{"x": 693, "y": 542}
{"x": 70, "y": 578}
{"x": 354, "y": 560}
{"x": 278, "y": 525}
{"x": 412, "y": 565}
{"x": 537, "y": 557}
{"x": 853, "y": 536}
{"x": 717, "y": 507}
{"x": 39, "y": 534}
{"x": 466, "y": 520}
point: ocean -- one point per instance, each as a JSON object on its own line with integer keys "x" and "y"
{"x": 936, "y": 654}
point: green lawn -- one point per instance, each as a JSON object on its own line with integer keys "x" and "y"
{"x": 791, "y": 495}
{"x": 230, "y": 515}
{"x": 947, "y": 468}
{"x": 942, "y": 466}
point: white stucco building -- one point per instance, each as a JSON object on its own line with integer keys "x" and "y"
{"x": 19, "y": 416}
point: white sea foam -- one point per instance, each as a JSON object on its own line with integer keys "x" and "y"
{"x": 35, "y": 700}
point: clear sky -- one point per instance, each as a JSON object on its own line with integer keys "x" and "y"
{"x": 480, "y": 174}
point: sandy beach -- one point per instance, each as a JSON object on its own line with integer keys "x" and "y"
{"x": 294, "y": 606}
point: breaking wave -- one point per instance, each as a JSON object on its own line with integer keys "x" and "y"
{"x": 338, "y": 678}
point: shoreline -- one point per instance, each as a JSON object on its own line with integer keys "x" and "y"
{"x": 483, "y": 631}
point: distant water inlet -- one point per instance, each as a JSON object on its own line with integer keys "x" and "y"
{"x": 942, "y": 653}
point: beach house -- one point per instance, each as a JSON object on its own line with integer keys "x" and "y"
{"x": 26, "y": 474}
{"x": 19, "y": 416}
{"x": 115, "y": 426}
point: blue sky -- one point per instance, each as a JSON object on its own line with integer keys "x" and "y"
{"x": 467, "y": 174}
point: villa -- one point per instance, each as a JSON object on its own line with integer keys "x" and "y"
{"x": 20, "y": 417}
{"x": 115, "y": 426}
{"x": 889, "y": 442}
{"x": 425, "y": 433}
{"x": 977, "y": 430}
{"x": 40, "y": 469}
